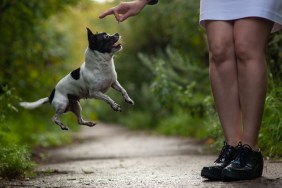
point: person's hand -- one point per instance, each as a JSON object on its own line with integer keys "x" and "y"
{"x": 125, "y": 10}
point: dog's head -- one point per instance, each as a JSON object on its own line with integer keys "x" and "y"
{"x": 103, "y": 42}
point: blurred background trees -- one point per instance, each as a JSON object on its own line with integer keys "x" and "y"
{"x": 30, "y": 51}
{"x": 163, "y": 66}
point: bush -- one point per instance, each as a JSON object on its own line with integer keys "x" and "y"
{"x": 179, "y": 82}
{"x": 38, "y": 131}
{"x": 15, "y": 161}
{"x": 182, "y": 124}
{"x": 22, "y": 27}
{"x": 271, "y": 131}
{"x": 138, "y": 120}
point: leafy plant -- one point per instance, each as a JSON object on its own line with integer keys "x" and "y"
{"x": 15, "y": 161}
{"x": 24, "y": 58}
{"x": 270, "y": 136}
{"x": 8, "y": 99}
{"x": 178, "y": 82}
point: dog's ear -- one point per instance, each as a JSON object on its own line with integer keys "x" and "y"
{"x": 91, "y": 39}
{"x": 89, "y": 33}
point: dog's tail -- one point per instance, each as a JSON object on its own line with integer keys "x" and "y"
{"x": 32, "y": 105}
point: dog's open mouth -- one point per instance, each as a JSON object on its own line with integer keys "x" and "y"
{"x": 117, "y": 45}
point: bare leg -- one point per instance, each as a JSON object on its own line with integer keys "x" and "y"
{"x": 76, "y": 109}
{"x": 250, "y": 36}
{"x": 224, "y": 80}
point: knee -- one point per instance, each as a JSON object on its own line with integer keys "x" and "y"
{"x": 244, "y": 52}
{"x": 220, "y": 53}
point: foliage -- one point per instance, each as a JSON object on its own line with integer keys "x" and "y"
{"x": 23, "y": 40}
{"x": 271, "y": 131}
{"x": 7, "y": 102}
{"x": 15, "y": 161}
{"x": 26, "y": 46}
{"x": 138, "y": 120}
{"x": 170, "y": 23}
{"x": 274, "y": 55}
{"x": 178, "y": 82}
{"x": 182, "y": 124}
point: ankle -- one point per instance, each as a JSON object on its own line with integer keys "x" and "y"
{"x": 254, "y": 146}
{"x": 233, "y": 143}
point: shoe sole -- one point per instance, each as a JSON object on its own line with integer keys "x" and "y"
{"x": 210, "y": 176}
{"x": 233, "y": 176}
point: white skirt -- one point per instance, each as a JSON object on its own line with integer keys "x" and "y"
{"x": 236, "y": 9}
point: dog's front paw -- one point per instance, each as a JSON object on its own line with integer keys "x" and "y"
{"x": 130, "y": 101}
{"x": 116, "y": 107}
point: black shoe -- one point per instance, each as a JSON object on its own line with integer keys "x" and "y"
{"x": 248, "y": 164}
{"x": 226, "y": 155}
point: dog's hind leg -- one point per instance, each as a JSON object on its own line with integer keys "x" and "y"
{"x": 76, "y": 109}
{"x": 60, "y": 108}
{"x": 61, "y": 105}
{"x": 56, "y": 119}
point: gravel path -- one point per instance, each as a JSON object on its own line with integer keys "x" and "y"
{"x": 111, "y": 156}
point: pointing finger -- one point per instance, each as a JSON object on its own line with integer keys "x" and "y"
{"x": 108, "y": 12}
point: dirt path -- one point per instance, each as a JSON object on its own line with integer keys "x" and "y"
{"x": 111, "y": 156}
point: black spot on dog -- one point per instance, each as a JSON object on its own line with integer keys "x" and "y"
{"x": 51, "y": 97}
{"x": 75, "y": 74}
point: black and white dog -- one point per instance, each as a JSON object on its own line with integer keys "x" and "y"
{"x": 94, "y": 77}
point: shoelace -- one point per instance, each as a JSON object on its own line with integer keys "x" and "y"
{"x": 242, "y": 155}
{"x": 223, "y": 153}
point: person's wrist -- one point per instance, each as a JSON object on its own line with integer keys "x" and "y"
{"x": 152, "y": 2}
{"x": 147, "y": 2}
{"x": 141, "y": 3}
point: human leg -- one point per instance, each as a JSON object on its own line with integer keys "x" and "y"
{"x": 250, "y": 36}
{"x": 223, "y": 76}
{"x": 224, "y": 80}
